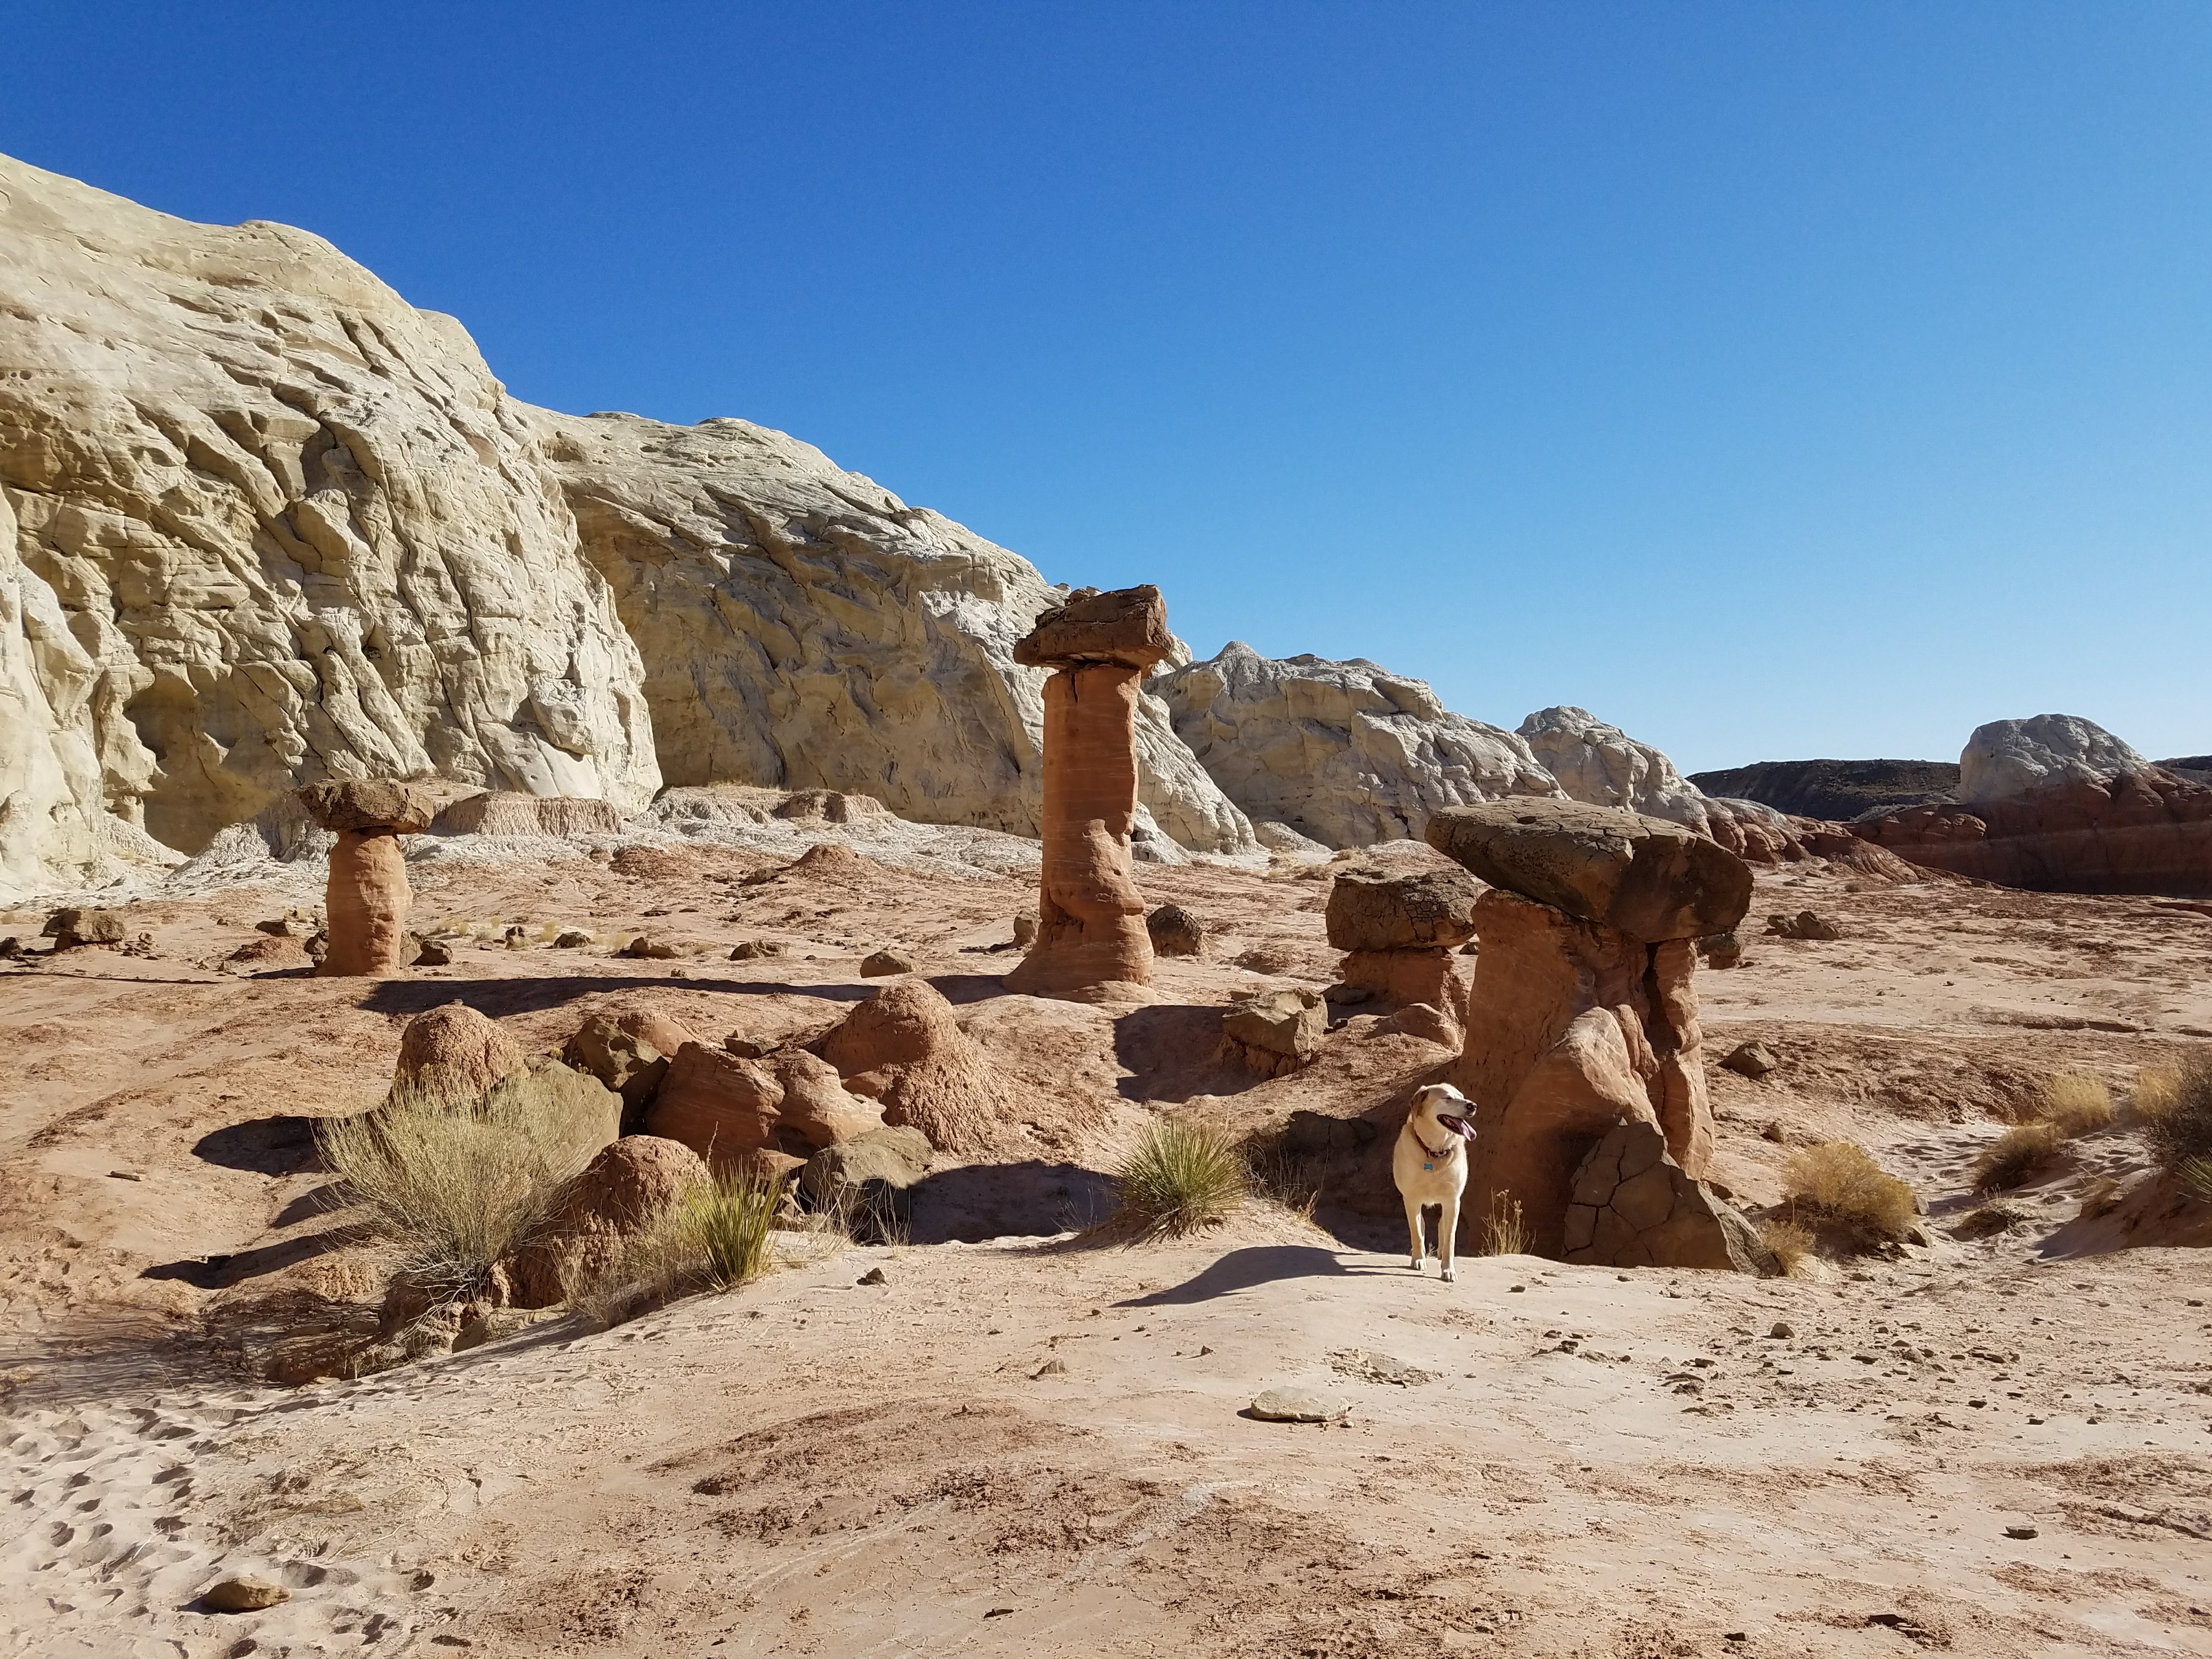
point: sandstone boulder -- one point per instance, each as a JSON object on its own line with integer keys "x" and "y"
{"x": 1372, "y": 909}
{"x": 627, "y": 1050}
{"x": 904, "y": 1047}
{"x": 1751, "y": 1060}
{"x": 1344, "y": 754}
{"x": 453, "y": 1052}
{"x": 868, "y": 1182}
{"x": 1278, "y": 1031}
{"x": 385, "y": 805}
{"x": 1128, "y": 627}
{"x": 1175, "y": 932}
{"x": 615, "y": 1197}
{"x": 1645, "y": 878}
{"x": 74, "y": 926}
{"x": 2005, "y": 759}
{"x": 883, "y": 963}
{"x": 721, "y": 1107}
{"x": 1631, "y": 1206}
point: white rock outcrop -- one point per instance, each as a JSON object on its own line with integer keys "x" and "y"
{"x": 805, "y": 629}
{"x": 1602, "y": 766}
{"x": 1346, "y": 753}
{"x": 2006, "y": 758}
{"x": 263, "y": 523}
{"x": 269, "y": 523}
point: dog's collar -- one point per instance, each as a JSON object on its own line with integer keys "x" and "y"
{"x": 1451, "y": 1146}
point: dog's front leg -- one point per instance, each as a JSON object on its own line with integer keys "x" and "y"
{"x": 1413, "y": 1225}
{"x": 1448, "y": 1235}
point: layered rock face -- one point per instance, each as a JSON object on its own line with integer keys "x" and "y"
{"x": 2147, "y": 831}
{"x": 1401, "y": 934}
{"x": 1584, "y": 1015}
{"x": 1602, "y": 766}
{"x": 266, "y": 522}
{"x": 1345, "y": 753}
{"x": 805, "y": 629}
{"x": 1092, "y": 944}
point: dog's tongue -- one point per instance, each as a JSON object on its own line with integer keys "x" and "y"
{"x": 1459, "y": 1126}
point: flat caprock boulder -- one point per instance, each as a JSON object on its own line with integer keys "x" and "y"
{"x": 1648, "y": 879}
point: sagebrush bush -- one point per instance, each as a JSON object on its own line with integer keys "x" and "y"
{"x": 2077, "y": 1103}
{"x": 1180, "y": 1178}
{"x": 2015, "y": 1155}
{"x": 716, "y": 1236}
{"x": 1792, "y": 1245}
{"x": 1504, "y": 1230}
{"x": 1840, "y": 1181}
{"x": 729, "y": 1220}
{"x": 2181, "y": 1134}
{"x": 457, "y": 1183}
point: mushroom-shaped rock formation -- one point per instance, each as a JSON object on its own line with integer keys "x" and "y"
{"x": 1091, "y": 943}
{"x": 1400, "y": 932}
{"x": 1583, "y": 1015}
{"x": 904, "y": 1047}
{"x": 367, "y": 899}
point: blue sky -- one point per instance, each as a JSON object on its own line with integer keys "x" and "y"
{"x": 1773, "y": 379}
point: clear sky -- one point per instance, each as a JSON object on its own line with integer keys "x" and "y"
{"x": 1773, "y": 379}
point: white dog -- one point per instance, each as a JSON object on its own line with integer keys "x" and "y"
{"x": 1429, "y": 1166}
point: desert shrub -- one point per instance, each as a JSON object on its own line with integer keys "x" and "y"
{"x": 2157, "y": 1088}
{"x": 1792, "y": 1245}
{"x": 2181, "y": 1134}
{"x": 1180, "y": 1178}
{"x": 1840, "y": 1181}
{"x": 2075, "y": 1104}
{"x": 1504, "y": 1230}
{"x": 2197, "y": 1179}
{"x": 456, "y": 1184}
{"x": 2015, "y": 1155}
{"x": 1277, "y": 1176}
{"x": 716, "y": 1237}
{"x": 728, "y": 1222}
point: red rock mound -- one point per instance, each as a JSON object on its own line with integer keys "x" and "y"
{"x": 904, "y": 1046}
{"x": 2140, "y": 832}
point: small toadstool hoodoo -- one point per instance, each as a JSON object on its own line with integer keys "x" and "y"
{"x": 1583, "y": 1015}
{"x": 368, "y": 899}
{"x": 1091, "y": 944}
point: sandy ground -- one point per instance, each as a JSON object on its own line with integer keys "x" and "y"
{"x": 1590, "y": 1463}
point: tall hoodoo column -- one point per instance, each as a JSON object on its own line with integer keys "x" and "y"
{"x": 1583, "y": 1016}
{"x": 1091, "y": 944}
{"x": 367, "y": 900}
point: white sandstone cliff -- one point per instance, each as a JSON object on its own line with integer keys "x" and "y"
{"x": 1346, "y": 753}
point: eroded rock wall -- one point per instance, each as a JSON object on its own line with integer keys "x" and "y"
{"x": 269, "y": 524}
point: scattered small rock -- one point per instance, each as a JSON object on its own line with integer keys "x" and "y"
{"x": 1783, "y": 1328}
{"x": 1050, "y": 1368}
{"x": 244, "y": 1595}
{"x": 1348, "y": 996}
{"x": 124, "y": 1175}
{"x": 753, "y": 949}
{"x": 1300, "y": 1406}
{"x": 649, "y": 949}
{"x": 516, "y": 937}
{"x": 873, "y": 1276}
{"x": 1175, "y": 932}
{"x": 1025, "y": 929}
{"x": 1721, "y": 950}
{"x": 292, "y": 924}
{"x": 74, "y": 925}
{"x": 1371, "y": 1367}
{"x": 2019, "y": 1532}
{"x": 1806, "y": 924}
{"x": 885, "y": 963}
{"x": 571, "y": 939}
{"x": 1772, "y": 1131}
{"x": 1751, "y": 1060}
{"x": 434, "y": 953}
{"x": 745, "y": 1048}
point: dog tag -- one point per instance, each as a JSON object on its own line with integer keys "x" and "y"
{"x": 1428, "y": 1166}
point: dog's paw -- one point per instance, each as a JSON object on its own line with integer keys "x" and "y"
{"x": 1449, "y": 1275}
{"x": 1415, "y": 1264}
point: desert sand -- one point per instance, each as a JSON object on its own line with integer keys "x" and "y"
{"x": 1029, "y": 1439}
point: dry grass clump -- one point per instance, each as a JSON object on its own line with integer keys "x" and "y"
{"x": 1792, "y": 1245}
{"x": 1276, "y": 1176}
{"x": 2015, "y": 1155}
{"x": 2157, "y": 1089}
{"x": 1181, "y": 1177}
{"x": 1504, "y": 1230}
{"x": 2180, "y": 1133}
{"x": 456, "y": 1184}
{"x": 2077, "y": 1103}
{"x": 715, "y": 1237}
{"x": 1840, "y": 1181}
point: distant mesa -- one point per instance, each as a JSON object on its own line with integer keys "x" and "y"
{"x": 1838, "y": 790}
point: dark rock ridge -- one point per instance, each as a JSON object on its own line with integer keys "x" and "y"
{"x": 1834, "y": 789}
